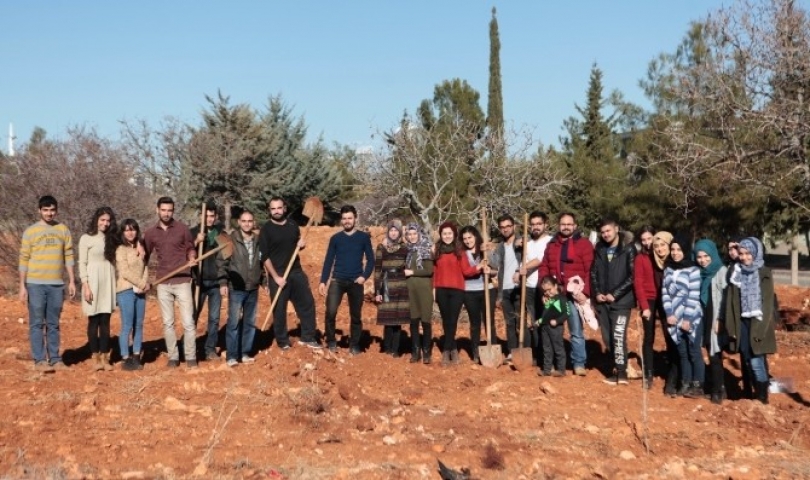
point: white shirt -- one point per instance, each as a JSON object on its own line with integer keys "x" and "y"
{"x": 535, "y": 250}
{"x": 510, "y": 266}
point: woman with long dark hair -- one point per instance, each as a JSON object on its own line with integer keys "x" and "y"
{"x": 448, "y": 281}
{"x": 680, "y": 294}
{"x": 473, "y": 268}
{"x": 132, "y": 283}
{"x": 647, "y": 287}
{"x": 749, "y": 313}
{"x": 97, "y": 274}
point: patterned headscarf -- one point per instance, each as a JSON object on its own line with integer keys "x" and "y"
{"x": 707, "y": 274}
{"x": 747, "y": 278}
{"x": 389, "y": 243}
{"x": 422, "y": 248}
{"x": 665, "y": 237}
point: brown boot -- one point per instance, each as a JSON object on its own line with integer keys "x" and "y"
{"x": 97, "y": 366}
{"x": 105, "y": 362}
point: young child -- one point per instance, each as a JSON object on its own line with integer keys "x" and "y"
{"x": 555, "y": 313}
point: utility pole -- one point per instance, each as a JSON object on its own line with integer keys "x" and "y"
{"x": 11, "y": 139}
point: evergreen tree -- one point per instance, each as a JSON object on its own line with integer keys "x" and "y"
{"x": 495, "y": 121}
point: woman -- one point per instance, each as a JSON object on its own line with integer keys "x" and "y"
{"x": 712, "y": 288}
{"x": 390, "y": 286}
{"x": 647, "y": 276}
{"x": 473, "y": 269}
{"x": 749, "y": 313}
{"x": 448, "y": 281}
{"x": 97, "y": 273}
{"x": 418, "y": 271}
{"x": 132, "y": 283}
{"x": 680, "y": 295}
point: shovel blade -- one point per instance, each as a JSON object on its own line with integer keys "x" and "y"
{"x": 522, "y": 358}
{"x": 491, "y": 356}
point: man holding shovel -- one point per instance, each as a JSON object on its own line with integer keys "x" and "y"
{"x": 508, "y": 256}
{"x": 278, "y": 240}
{"x": 171, "y": 240}
{"x": 207, "y": 279}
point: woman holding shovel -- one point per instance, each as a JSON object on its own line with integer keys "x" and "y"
{"x": 390, "y": 287}
{"x": 418, "y": 271}
{"x": 473, "y": 269}
{"x": 448, "y": 280}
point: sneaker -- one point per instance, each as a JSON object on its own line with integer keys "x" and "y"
{"x": 284, "y": 347}
{"x": 333, "y": 347}
{"x": 173, "y": 363}
{"x": 544, "y": 373}
{"x": 621, "y": 378}
{"x": 580, "y": 371}
{"x": 191, "y": 364}
{"x": 60, "y": 365}
{"x": 248, "y": 360}
{"x": 129, "y": 364}
{"x": 613, "y": 380}
{"x": 232, "y": 362}
{"x": 211, "y": 356}
{"x": 558, "y": 373}
{"x": 43, "y": 367}
{"x": 355, "y": 351}
{"x": 311, "y": 344}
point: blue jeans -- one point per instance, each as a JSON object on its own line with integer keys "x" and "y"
{"x": 210, "y": 290}
{"x": 244, "y": 302}
{"x": 577, "y": 337}
{"x": 132, "y": 307}
{"x": 44, "y": 309}
{"x": 757, "y": 363}
{"x": 692, "y": 367}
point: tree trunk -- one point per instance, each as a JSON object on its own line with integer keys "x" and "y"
{"x": 794, "y": 260}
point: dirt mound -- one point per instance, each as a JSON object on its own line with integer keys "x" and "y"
{"x": 314, "y": 415}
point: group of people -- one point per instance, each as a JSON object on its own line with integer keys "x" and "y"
{"x": 568, "y": 281}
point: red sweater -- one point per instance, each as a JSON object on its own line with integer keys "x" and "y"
{"x": 644, "y": 281}
{"x": 447, "y": 271}
{"x": 579, "y": 261}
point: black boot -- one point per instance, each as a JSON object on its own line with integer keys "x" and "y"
{"x": 695, "y": 390}
{"x": 648, "y": 381}
{"x": 671, "y": 385}
{"x": 427, "y": 342}
{"x": 761, "y": 389}
{"x": 747, "y": 388}
{"x": 416, "y": 345}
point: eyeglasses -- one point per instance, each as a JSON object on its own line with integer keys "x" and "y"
{"x": 504, "y": 227}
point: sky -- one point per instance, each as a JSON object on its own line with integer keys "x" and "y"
{"x": 349, "y": 68}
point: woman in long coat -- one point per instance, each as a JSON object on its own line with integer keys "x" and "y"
{"x": 391, "y": 288}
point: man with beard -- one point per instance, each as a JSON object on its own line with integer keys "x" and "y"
{"x": 612, "y": 289}
{"x": 172, "y": 241}
{"x": 535, "y": 248}
{"x": 344, "y": 273}
{"x": 211, "y": 285}
{"x": 507, "y": 259}
{"x": 567, "y": 255}
{"x": 277, "y": 242}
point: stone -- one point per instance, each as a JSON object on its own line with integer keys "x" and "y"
{"x": 627, "y": 455}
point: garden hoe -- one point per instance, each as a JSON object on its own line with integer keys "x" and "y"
{"x": 490, "y": 355}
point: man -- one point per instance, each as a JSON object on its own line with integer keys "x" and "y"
{"x": 278, "y": 240}
{"x": 242, "y": 275}
{"x": 46, "y": 248}
{"x": 208, "y": 279}
{"x": 535, "y": 248}
{"x": 343, "y": 270}
{"x": 171, "y": 240}
{"x": 567, "y": 255}
{"x": 508, "y": 257}
{"x": 612, "y": 289}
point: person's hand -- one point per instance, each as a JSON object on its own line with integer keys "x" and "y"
{"x": 523, "y": 270}
{"x": 609, "y": 298}
{"x": 71, "y": 290}
{"x": 302, "y": 244}
{"x": 553, "y": 322}
{"x": 280, "y": 281}
{"x": 686, "y": 325}
{"x": 141, "y": 251}
{"x": 146, "y": 288}
{"x": 360, "y": 280}
{"x": 408, "y": 272}
{"x": 600, "y": 298}
{"x": 671, "y": 320}
{"x": 87, "y": 294}
{"x": 487, "y": 270}
{"x": 378, "y": 299}
{"x": 646, "y": 313}
{"x": 23, "y": 295}
{"x": 322, "y": 289}
{"x": 518, "y": 242}
{"x": 516, "y": 278}
{"x": 200, "y": 238}
{"x": 580, "y": 298}
{"x": 223, "y": 290}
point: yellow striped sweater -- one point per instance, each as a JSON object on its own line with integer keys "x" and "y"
{"x": 45, "y": 250}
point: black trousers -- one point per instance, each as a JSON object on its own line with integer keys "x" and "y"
{"x": 647, "y": 352}
{"x": 98, "y": 333}
{"x": 297, "y": 291}
{"x": 474, "y": 302}
{"x": 450, "y": 301}
{"x": 553, "y": 347}
{"x": 353, "y": 290}
{"x": 427, "y": 337}
{"x": 613, "y": 324}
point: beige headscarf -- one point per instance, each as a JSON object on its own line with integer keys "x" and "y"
{"x": 665, "y": 237}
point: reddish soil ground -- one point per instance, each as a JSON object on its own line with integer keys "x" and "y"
{"x": 305, "y": 414}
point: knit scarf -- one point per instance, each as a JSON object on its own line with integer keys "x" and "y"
{"x": 746, "y": 277}
{"x": 421, "y": 249}
{"x": 707, "y": 274}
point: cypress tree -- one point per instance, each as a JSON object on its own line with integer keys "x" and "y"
{"x": 495, "y": 100}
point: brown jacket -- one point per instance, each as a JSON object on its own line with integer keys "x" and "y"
{"x": 130, "y": 269}
{"x": 763, "y": 335}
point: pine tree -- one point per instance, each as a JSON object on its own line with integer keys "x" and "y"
{"x": 495, "y": 121}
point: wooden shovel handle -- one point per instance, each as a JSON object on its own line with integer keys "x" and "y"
{"x": 523, "y": 279}
{"x": 189, "y": 264}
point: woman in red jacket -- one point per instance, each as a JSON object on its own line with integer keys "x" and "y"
{"x": 647, "y": 291}
{"x": 448, "y": 280}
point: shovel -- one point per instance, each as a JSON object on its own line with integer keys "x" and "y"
{"x": 521, "y": 356}
{"x": 490, "y": 355}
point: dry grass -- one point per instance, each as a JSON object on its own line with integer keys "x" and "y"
{"x": 492, "y": 459}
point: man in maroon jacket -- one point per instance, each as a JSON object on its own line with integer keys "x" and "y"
{"x": 569, "y": 254}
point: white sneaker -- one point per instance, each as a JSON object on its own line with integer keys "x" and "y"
{"x": 232, "y": 362}
{"x": 248, "y": 360}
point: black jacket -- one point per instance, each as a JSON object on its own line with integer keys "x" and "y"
{"x": 614, "y": 277}
{"x": 209, "y": 265}
{"x": 237, "y": 270}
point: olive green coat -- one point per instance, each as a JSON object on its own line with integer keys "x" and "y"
{"x": 763, "y": 335}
